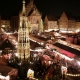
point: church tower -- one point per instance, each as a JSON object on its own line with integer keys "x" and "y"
{"x": 23, "y": 36}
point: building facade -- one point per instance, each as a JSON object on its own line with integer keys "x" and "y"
{"x": 63, "y": 22}
{"x": 34, "y": 16}
{"x": 50, "y": 22}
{"x": 66, "y": 22}
{"x": 71, "y": 25}
{"x": 78, "y": 26}
{"x": 34, "y": 19}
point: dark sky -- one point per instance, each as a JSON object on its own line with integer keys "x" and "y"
{"x": 56, "y": 7}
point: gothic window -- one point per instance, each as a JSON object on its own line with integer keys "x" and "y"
{"x": 24, "y": 45}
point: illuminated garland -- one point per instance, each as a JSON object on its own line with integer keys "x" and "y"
{"x": 75, "y": 75}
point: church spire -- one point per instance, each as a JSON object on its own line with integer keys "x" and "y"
{"x": 23, "y": 48}
{"x": 23, "y": 9}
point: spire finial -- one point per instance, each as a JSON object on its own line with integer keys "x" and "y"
{"x": 23, "y": 9}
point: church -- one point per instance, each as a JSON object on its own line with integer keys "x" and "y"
{"x": 34, "y": 16}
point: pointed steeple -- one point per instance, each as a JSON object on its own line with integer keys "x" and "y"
{"x": 23, "y": 9}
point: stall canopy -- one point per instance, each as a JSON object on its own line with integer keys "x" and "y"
{"x": 6, "y": 70}
{"x": 67, "y": 48}
{"x": 45, "y": 57}
{"x": 69, "y": 54}
{"x": 7, "y": 44}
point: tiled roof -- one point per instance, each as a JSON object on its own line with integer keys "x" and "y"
{"x": 7, "y": 44}
{"x": 51, "y": 18}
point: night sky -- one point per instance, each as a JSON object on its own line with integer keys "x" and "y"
{"x": 55, "y": 7}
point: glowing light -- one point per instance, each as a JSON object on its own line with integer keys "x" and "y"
{"x": 57, "y": 34}
{"x": 30, "y": 73}
{"x": 78, "y": 62}
{"x": 16, "y": 54}
{"x": 64, "y": 69}
{"x": 42, "y": 43}
{"x": 4, "y": 78}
